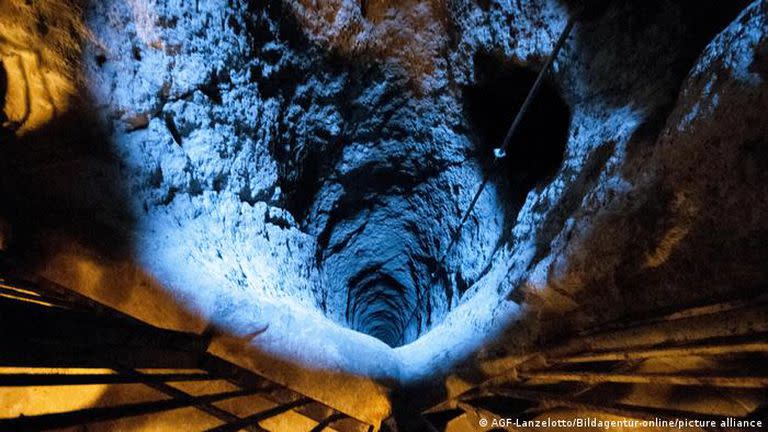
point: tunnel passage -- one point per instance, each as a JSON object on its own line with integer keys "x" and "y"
{"x": 537, "y": 148}
{"x": 375, "y": 305}
{"x": 377, "y": 280}
{"x": 381, "y": 243}
{"x": 384, "y": 256}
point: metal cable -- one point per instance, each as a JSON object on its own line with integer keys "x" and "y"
{"x": 500, "y": 152}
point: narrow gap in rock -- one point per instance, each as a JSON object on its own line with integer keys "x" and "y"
{"x": 537, "y": 148}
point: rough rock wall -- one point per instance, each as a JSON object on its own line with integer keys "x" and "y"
{"x": 687, "y": 222}
{"x": 302, "y": 165}
{"x": 266, "y": 158}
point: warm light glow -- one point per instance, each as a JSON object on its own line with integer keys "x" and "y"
{"x": 40, "y": 73}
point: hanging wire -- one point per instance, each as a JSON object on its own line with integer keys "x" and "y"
{"x": 500, "y": 152}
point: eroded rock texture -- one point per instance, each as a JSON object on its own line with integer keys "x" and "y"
{"x": 301, "y": 166}
{"x": 691, "y": 210}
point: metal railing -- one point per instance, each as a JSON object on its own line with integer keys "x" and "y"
{"x": 594, "y": 370}
{"x": 45, "y": 325}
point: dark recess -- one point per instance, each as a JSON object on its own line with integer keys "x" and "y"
{"x": 536, "y": 149}
{"x": 377, "y": 306}
{"x": 3, "y": 93}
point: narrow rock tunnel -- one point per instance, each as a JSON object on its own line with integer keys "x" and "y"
{"x": 304, "y": 195}
{"x": 378, "y": 306}
{"x": 396, "y": 305}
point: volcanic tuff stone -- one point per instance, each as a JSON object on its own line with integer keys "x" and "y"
{"x": 303, "y": 165}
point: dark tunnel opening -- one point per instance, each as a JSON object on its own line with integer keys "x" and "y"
{"x": 394, "y": 305}
{"x": 536, "y": 149}
{"x": 377, "y": 305}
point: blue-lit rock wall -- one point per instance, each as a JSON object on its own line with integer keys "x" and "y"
{"x": 292, "y": 171}
{"x": 282, "y": 163}
{"x": 311, "y": 161}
